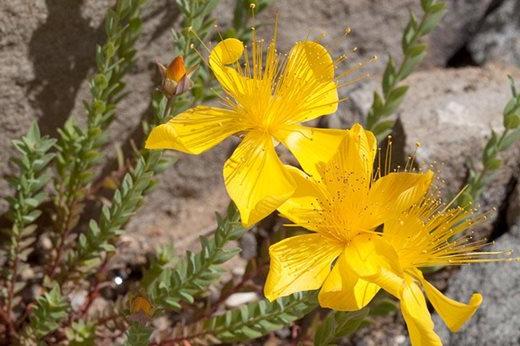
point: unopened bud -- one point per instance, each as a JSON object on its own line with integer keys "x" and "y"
{"x": 175, "y": 77}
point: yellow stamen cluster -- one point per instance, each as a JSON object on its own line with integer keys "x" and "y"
{"x": 433, "y": 234}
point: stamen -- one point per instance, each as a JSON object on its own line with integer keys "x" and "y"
{"x": 190, "y": 30}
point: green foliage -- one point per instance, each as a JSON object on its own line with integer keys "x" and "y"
{"x": 28, "y": 184}
{"x": 196, "y": 272}
{"x": 339, "y": 324}
{"x": 197, "y": 25}
{"x": 81, "y": 333}
{"x": 160, "y": 262}
{"x": 497, "y": 143}
{"x": 138, "y": 335}
{"x": 256, "y": 319}
{"x": 413, "y": 53}
{"x": 51, "y": 308}
{"x": 78, "y": 148}
{"x": 100, "y": 236}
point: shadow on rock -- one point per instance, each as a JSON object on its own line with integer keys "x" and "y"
{"x": 62, "y": 51}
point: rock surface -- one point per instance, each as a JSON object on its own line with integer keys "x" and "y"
{"x": 498, "y": 39}
{"x": 461, "y": 21}
{"x": 497, "y": 320}
{"x": 451, "y": 113}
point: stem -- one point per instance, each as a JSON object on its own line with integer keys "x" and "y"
{"x": 485, "y": 170}
{"x": 11, "y": 283}
{"x": 10, "y": 330}
{"x": 64, "y": 233}
{"x": 406, "y": 57}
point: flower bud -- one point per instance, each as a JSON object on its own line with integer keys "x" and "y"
{"x": 175, "y": 77}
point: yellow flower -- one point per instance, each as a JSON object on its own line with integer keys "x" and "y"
{"x": 265, "y": 101}
{"x": 428, "y": 234}
{"x": 342, "y": 205}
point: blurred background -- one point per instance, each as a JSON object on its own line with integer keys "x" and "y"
{"x": 47, "y": 50}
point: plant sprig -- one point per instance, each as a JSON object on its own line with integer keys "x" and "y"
{"x": 32, "y": 162}
{"x": 247, "y": 322}
{"x": 339, "y": 324}
{"x": 414, "y": 51}
{"x": 257, "y": 319}
{"x": 196, "y": 272}
{"x": 51, "y": 308}
{"x": 478, "y": 179}
{"x": 78, "y": 148}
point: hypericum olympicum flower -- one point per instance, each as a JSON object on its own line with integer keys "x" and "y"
{"x": 342, "y": 205}
{"x": 175, "y": 77}
{"x": 428, "y": 234}
{"x": 265, "y": 102}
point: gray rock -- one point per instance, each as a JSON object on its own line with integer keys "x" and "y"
{"x": 376, "y": 25}
{"x": 497, "y": 320}
{"x": 498, "y": 39}
{"x": 513, "y": 205}
{"x": 248, "y": 244}
{"x": 451, "y": 113}
{"x": 241, "y": 298}
{"x": 459, "y": 24}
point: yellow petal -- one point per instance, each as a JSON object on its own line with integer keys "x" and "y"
{"x": 255, "y": 178}
{"x": 299, "y": 263}
{"x": 452, "y": 312}
{"x": 349, "y": 172}
{"x": 395, "y": 193}
{"x": 417, "y": 317}
{"x": 363, "y": 257}
{"x": 308, "y": 82}
{"x": 343, "y": 290}
{"x": 310, "y": 145}
{"x": 195, "y": 130}
{"x": 302, "y": 207}
{"x": 376, "y": 261}
{"x": 228, "y": 52}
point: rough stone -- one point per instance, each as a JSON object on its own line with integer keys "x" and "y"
{"x": 497, "y": 320}
{"x": 462, "y": 19}
{"x": 240, "y": 298}
{"x": 513, "y": 205}
{"x": 451, "y": 113}
{"x": 376, "y": 25}
{"x": 498, "y": 38}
